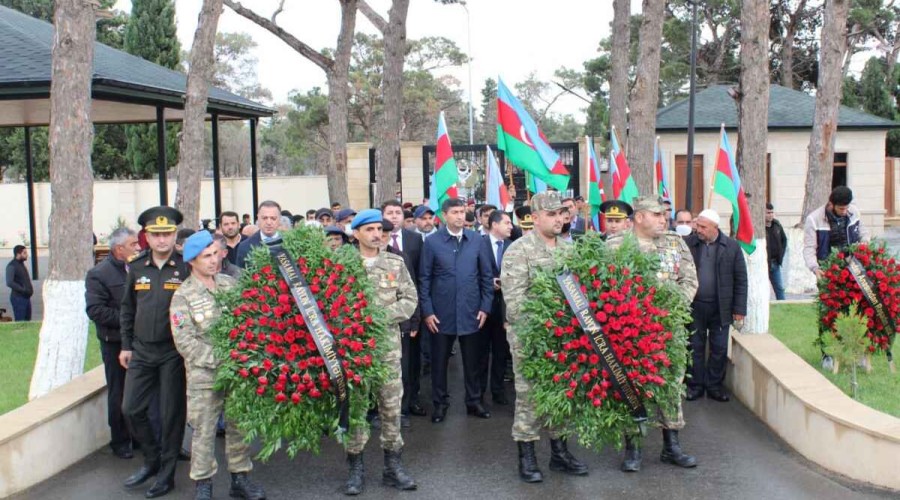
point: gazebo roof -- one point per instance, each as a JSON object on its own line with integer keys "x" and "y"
{"x": 788, "y": 110}
{"x": 125, "y": 88}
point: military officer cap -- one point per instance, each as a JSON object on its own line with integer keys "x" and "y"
{"x": 387, "y": 226}
{"x": 160, "y": 219}
{"x": 195, "y": 244}
{"x": 527, "y": 222}
{"x": 369, "y": 216}
{"x": 616, "y": 209}
{"x": 647, "y": 204}
{"x": 548, "y": 200}
{"x": 333, "y": 230}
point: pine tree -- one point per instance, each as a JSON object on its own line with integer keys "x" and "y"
{"x": 151, "y": 34}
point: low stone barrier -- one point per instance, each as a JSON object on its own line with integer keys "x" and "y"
{"x": 812, "y": 415}
{"x": 49, "y": 434}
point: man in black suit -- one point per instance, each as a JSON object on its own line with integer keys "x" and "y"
{"x": 720, "y": 301}
{"x": 578, "y": 223}
{"x": 496, "y": 351}
{"x": 409, "y": 244}
{"x": 268, "y": 217}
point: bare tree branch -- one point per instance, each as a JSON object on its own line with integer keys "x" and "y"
{"x": 324, "y": 62}
{"x": 376, "y": 18}
{"x": 278, "y": 10}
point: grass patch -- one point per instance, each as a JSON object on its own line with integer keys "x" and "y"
{"x": 795, "y": 326}
{"x": 20, "y": 343}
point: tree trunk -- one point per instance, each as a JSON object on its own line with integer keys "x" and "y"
{"x": 645, "y": 96}
{"x": 828, "y": 100}
{"x": 194, "y": 152}
{"x": 618, "y": 80}
{"x": 63, "y": 337}
{"x": 337, "y": 72}
{"x": 387, "y": 146}
{"x": 751, "y": 153}
{"x": 787, "y": 57}
{"x": 338, "y": 95}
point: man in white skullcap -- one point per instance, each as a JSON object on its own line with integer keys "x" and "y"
{"x": 721, "y": 299}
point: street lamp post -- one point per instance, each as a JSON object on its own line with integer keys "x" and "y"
{"x": 689, "y": 176}
{"x": 469, "y": 49}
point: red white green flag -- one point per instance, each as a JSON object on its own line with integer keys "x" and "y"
{"x": 446, "y": 174}
{"x": 624, "y": 187}
{"x": 525, "y": 146}
{"x": 727, "y": 183}
{"x": 596, "y": 196}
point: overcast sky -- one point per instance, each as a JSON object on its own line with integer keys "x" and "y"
{"x": 510, "y": 38}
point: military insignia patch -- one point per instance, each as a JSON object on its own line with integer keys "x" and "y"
{"x": 177, "y": 319}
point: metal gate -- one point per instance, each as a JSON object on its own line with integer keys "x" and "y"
{"x": 471, "y": 161}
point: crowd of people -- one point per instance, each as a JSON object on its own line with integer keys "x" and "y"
{"x": 455, "y": 284}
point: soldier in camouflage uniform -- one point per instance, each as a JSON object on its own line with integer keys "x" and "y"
{"x": 192, "y": 312}
{"x": 521, "y": 262}
{"x": 676, "y": 264}
{"x": 395, "y": 294}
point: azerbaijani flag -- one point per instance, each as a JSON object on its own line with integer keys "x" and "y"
{"x": 525, "y": 146}
{"x": 727, "y": 183}
{"x": 534, "y": 184}
{"x": 496, "y": 193}
{"x": 596, "y": 196}
{"x": 662, "y": 176}
{"x": 445, "y": 173}
{"x": 624, "y": 187}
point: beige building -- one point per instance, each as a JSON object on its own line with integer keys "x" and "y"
{"x": 859, "y": 153}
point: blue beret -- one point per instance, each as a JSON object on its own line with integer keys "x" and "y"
{"x": 343, "y": 214}
{"x": 422, "y": 210}
{"x": 369, "y": 216}
{"x": 195, "y": 244}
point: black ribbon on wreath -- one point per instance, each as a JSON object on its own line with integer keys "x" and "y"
{"x": 600, "y": 342}
{"x": 315, "y": 322}
{"x": 858, "y": 271}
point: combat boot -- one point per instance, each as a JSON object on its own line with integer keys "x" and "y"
{"x": 563, "y": 461}
{"x": 204, "y": 490}
{"x": 357, "y": 478}
{"x": 632, "y": 460}
{"x": 672, "y": 453}
{"x": 528, "y": 467}
{"x": 394, "y": 474}
{"x": 243, "y": 487}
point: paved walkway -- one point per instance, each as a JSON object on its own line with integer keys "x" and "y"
{"x": 476, "y": 459}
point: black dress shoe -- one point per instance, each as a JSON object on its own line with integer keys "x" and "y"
{"x": 694, "y": 393}
{"x": 184, "y": 455}
{"x": 478, "y": 411}
{"x": 500, "y": 398}
{"x": 142, "y": 475}
{"x": 160, "y": 488}
{"x": 123, "y": 452}
{"x": 439, "y": 414}
{"x": 416, "y": 410}
{"x": 718, "y": 395}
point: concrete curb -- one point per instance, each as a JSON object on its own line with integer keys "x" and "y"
{"x": 812, "y": 415}
{"x": 47, "y": 435}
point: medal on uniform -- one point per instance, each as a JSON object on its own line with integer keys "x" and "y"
{"x": 199, "y": 317}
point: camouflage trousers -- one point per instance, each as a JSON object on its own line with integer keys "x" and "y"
{"x": 388, "y": 397}
{"x": 672, "y": 420}
{"x": 526, "y": 425}
{"x": 203, "y": 409}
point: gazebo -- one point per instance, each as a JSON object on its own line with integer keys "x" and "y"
{"x": 125, "y": 89}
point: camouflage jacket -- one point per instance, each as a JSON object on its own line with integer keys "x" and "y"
{"x": 521, "y": 262}
{"x": 675, "y": 260}
{"x": 192, "y": 312}
{"x": 394, "y": 287}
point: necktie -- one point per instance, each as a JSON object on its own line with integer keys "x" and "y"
{"x": 395, "y": 245}
{"x": 499, "y": 254}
